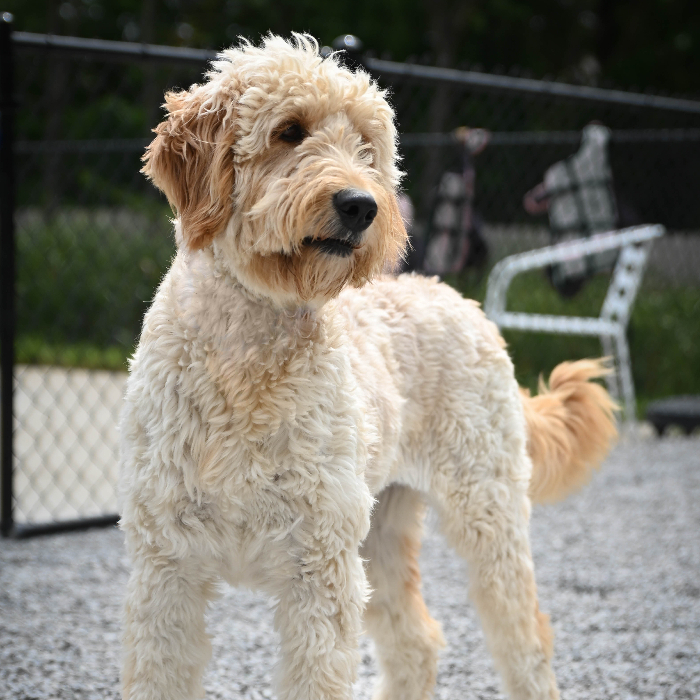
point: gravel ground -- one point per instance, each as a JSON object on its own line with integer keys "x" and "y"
{"x": 618, "y": 569}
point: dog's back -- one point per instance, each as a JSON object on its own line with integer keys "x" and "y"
{"x": 422, "y": 347}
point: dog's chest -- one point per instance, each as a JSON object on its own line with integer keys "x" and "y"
{"x": 292, "y": 400}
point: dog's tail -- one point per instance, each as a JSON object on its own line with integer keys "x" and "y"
{"x": 570, "y": 426}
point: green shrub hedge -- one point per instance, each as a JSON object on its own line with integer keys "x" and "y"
{"x": 84, "y": 281}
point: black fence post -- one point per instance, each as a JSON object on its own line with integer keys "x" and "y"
{"x": 7, "y": 267}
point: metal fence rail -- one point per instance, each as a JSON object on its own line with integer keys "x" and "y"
{"x": 91, "y": 237}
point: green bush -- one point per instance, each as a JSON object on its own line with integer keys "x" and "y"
{"x": 35, "y": 350}
{"x": 84, "y": 281}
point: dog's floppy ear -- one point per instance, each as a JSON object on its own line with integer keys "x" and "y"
{"x": 191, "y": 161}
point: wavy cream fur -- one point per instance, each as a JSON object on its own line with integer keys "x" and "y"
{"x": 284, "y": 420}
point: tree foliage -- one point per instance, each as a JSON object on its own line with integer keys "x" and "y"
{"x": 637, "y": 44}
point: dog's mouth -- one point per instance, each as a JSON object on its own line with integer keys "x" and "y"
{"x": 340, "y": 247}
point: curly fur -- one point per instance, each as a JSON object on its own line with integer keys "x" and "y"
{"x": 286, "y": 421}
{"x": 570, "y": 426}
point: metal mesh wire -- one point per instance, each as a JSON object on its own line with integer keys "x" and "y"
{"x": 94, "y": 238}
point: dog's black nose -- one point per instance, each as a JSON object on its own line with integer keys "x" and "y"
{"x": 356, "y": 209}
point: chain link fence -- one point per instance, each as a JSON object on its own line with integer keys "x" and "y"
{"x": 93, "y": 238}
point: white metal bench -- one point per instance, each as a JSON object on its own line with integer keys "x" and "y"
{"x": 635, "y": 245}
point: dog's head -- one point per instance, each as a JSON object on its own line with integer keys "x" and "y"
{"x": 286, "y": 163}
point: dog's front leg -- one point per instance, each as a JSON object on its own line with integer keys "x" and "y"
{"x": 314, "y": 572}
{"x": 319, "y": 617}
{"x": 165, "y": 643}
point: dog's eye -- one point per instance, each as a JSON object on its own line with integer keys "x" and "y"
{"x": 294, "y": 133}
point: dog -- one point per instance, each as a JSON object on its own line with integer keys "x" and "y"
{"x": 290, "y": 412}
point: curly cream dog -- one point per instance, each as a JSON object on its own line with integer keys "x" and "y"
{"x": 286, "y": 420}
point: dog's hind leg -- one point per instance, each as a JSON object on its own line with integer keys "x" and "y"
{"x": 487, "y": 521}
{"x": 166, "y": 646}
{"x": 407, "y": 639}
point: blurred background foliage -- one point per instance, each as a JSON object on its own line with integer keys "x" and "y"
{"x": 635, "y": 44}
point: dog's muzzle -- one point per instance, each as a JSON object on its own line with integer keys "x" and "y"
{"x": 356, "y": 210}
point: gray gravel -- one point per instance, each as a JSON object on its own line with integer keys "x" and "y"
{"x": 618, "y": 569}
